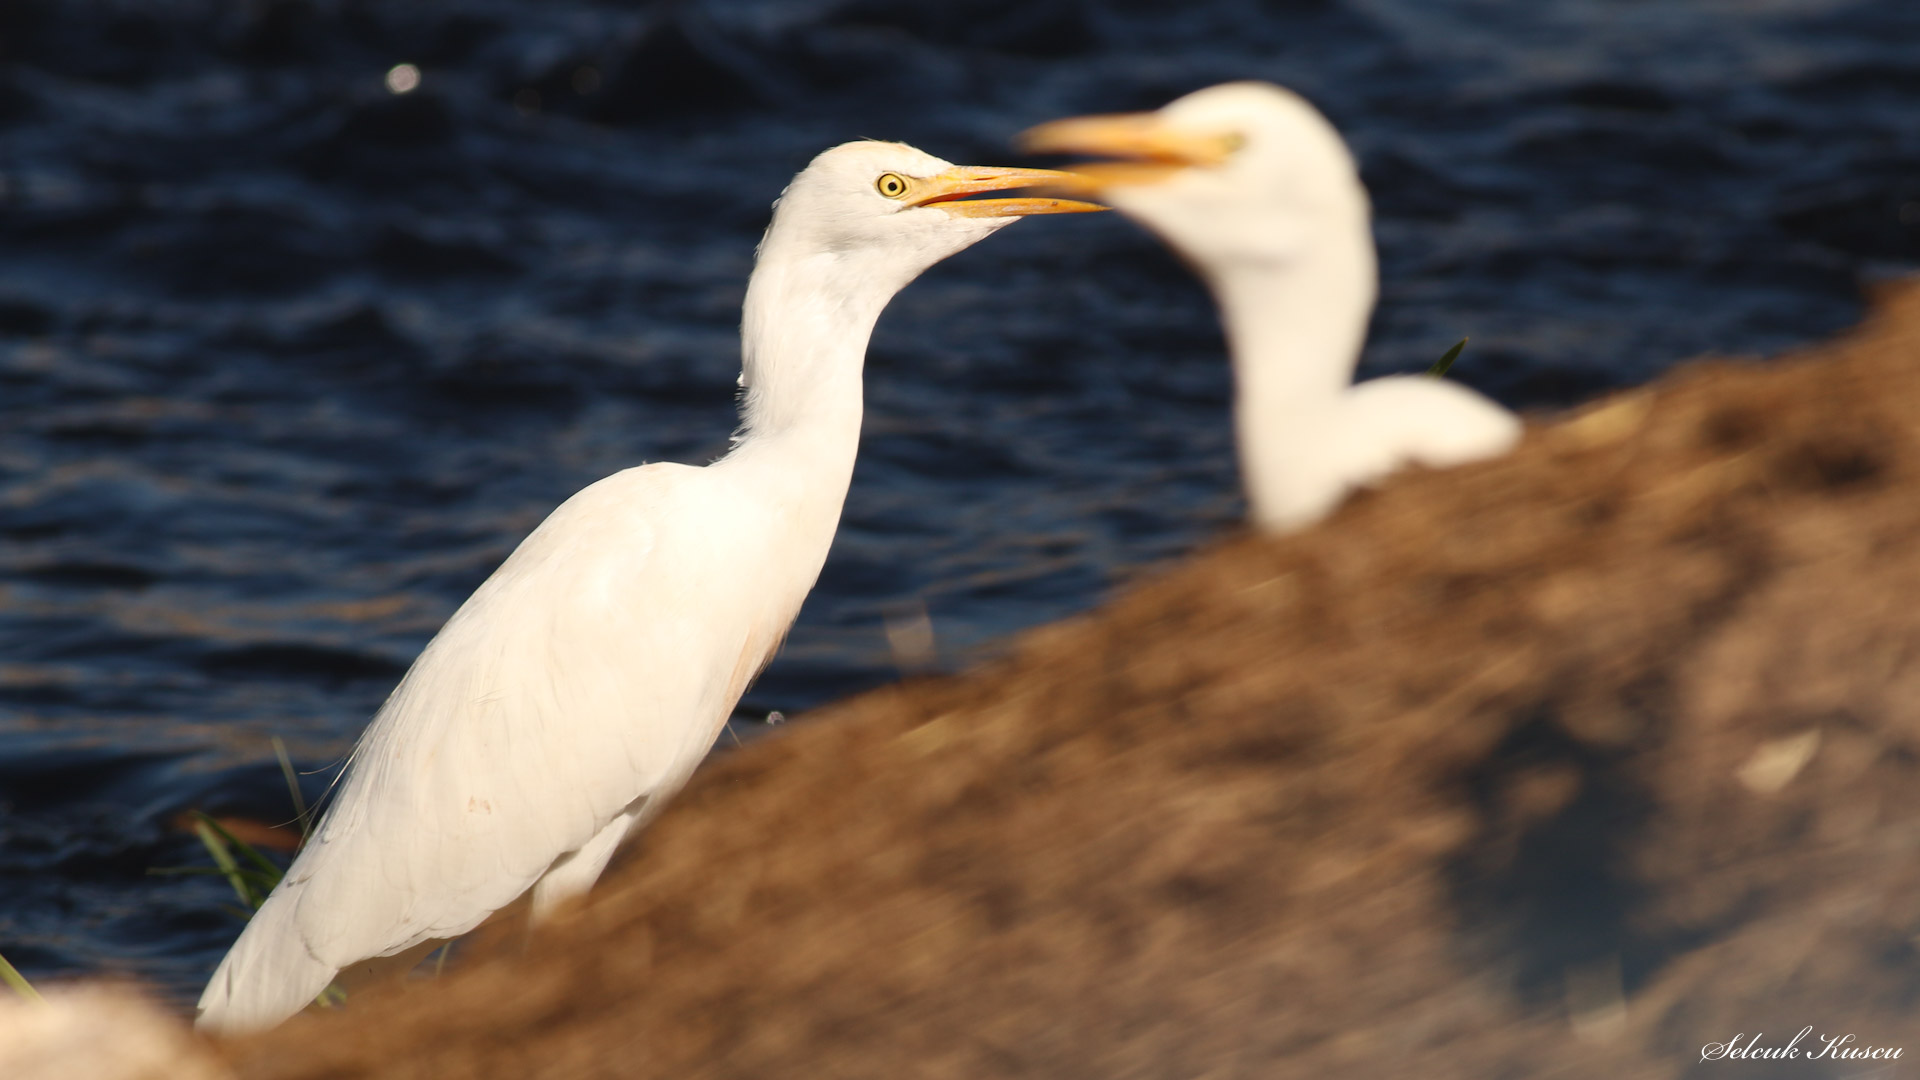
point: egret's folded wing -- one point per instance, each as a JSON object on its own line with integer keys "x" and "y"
{"x": 567, "y": 686}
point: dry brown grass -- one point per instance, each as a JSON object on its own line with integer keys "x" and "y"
{"x": 1422, "y": 791}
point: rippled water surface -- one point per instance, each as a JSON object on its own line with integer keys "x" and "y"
{"x": 289, "y": 362}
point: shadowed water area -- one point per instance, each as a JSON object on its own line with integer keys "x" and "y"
{"x": 289, "y": 362}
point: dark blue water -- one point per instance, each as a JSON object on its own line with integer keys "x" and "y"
{"x": 288, "y": 362}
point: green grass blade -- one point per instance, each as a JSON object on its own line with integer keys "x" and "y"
{"x": 12, "y": 977}
{"x": 293, "y": 786}
{"x": 251, "y": 853}
{"x": 223, "y": 858}
{"x": 254, "y": 877}
{"x": 1440, "y": 366}
{"x": 176, "y": 871}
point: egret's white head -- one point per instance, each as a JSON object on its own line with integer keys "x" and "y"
{"x": 888, "y": 211}
{"x": 1237, "y": 173}
{"x": 851, "y": 230}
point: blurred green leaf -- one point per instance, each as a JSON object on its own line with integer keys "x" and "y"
{"x": 1440, "y": 366}
{"x": 12, "y": 977}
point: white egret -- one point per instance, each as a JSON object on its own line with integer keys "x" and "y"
{"x": 1257, "y": 191}
{"x": 576, "y": 690}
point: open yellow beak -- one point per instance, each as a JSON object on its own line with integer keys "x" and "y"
{"x": 1153, "y": 151}
{"x": 949, "y": 190}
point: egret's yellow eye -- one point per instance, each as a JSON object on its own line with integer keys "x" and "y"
{"x": 892, "y": 185}
{"x": 1233, "y": 142}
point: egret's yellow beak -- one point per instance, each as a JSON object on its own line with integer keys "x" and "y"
{"x": 949, "y": 190}
{"x": 1153, "y": 151}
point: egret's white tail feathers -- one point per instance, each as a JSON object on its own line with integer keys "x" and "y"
{"x": 267, "y": 976}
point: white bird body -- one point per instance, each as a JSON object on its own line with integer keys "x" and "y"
{"x": 1261, "y": 196}
{"x": 578, "y": 688}
{"x": 1430, "y": 423}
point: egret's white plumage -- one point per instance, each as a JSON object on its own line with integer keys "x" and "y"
{"x": 580, "y": 685}
{"x": 1259, "y": 193}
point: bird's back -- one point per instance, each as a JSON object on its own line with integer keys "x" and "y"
{"x": 1314, "y": 453}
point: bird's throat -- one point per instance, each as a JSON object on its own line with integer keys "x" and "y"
{"x": 803, "y": 335}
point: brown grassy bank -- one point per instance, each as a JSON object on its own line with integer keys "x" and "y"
{"x": 1567, "y": 764}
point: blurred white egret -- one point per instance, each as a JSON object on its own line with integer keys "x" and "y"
{"x": 1258, "y": 192}
{"x": 580, "y": 685}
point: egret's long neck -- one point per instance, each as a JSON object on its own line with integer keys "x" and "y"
{"x": 804, "y": 332}
{"x": 1295, "y": 325}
